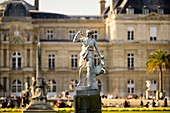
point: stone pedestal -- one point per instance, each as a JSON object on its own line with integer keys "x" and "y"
{"x": 148, "y": 94}
{"x": 87, "y": 100}
{"x": 39, "y": 108}
{"x": 38, "y": 105}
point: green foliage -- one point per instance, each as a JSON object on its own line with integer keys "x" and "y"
{"x": 104, "y": 110}
{"x": 160, "y": 59}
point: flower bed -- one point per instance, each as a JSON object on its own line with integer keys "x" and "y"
{"x": 68, "y": 110}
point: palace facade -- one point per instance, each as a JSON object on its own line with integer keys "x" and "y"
{"x": 127, "y": 33}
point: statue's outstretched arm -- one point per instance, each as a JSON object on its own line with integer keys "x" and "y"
{"x": 98, "y": 51}
{"x": 75, "y": 37}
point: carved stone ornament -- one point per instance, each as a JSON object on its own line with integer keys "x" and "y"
{"x": 18, "y": 32}
{"x": 154, "y": 16}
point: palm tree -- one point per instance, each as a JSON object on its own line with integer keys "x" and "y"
{"x": 159, "y": 60}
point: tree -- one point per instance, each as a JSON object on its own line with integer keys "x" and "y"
{"x": 159, "y": 60}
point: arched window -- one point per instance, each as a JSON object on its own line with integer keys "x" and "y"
{"x": 130, "y": 86}
{"x": 16, "y": 86}
{"x": 16, "y": 60}
{"x": 99, "y": 84}
{"x": 52, "y": 86}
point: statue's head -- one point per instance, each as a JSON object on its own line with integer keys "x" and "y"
{"x": 89, "y": 32}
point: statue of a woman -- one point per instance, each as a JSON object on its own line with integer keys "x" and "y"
{"x": 87, "y": 55}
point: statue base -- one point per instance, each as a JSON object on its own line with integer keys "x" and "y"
{"x": 87, "y": 100}
{"x": 38, "y": 105}
{"x": 149, "y": 94}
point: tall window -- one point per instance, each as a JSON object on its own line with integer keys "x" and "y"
{"x": 50, "y": 34}
{"x": 52, "y": 86}
{"x": 16, "y": 60}
{"x": 28, "y": 57}
{"x": 130, "y": 60}
{"x": 5, "y": 84}
{"x": 153, "y": 33}
{"x": 51, "y": 61}
{"x": 4, "y": 57}
{"x": 130, "y": 86}
{"x": 74, "y": 61}
{"x": 95, "y": 35}
{"x": 153, "y": 85}
{"x": 71, "y": 34}
{"x": 16, "y": 86}
{"x": 96, "y": 60}
{"x": 130, "y": 33}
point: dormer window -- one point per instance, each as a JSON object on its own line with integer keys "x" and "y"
{"x": 160, "y": 10}
{"x": 145, "y": 10}
{"x": 130, "y": 10}
{"x": 117, "y": 10}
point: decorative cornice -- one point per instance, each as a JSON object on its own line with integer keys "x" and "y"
{"x": 154, "y": 16}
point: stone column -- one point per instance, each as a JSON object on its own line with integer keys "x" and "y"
{"x": 2, "y": 83}
{"x": 7, "y": 88}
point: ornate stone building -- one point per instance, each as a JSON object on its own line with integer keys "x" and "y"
{"x": 127, "y": 32}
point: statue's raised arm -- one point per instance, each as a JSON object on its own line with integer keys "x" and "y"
{"x": 75, "y": 37}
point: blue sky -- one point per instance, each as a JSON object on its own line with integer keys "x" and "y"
{"x": 71, "y": 7}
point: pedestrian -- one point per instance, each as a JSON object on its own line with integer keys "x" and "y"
{"x": 69, "y": 104}
{"x": 19, "y": 101}
{"x": 4, "y": 103}
{"x": 62, "y": 104}
{"x": 10, "y": 104}
{"x": 157, "y": 103}
{"x": 153, "y": 103}
{"x": 141, "y": 103}
{"x": 147, "y": 104}
{"x": 57, "y": 103}
{"x": 165, "y": 102}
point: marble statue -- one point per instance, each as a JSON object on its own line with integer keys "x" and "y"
{"x": 32, "y": 87}
{"x": 148, "y": 85}
{"x": 39, "y": 86}
{"x": 86, "y": 58}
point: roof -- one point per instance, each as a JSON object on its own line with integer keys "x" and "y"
{"x": 138, "y": 5}
{"x": 3, "y": 5}
{"x": 31, "y": 11}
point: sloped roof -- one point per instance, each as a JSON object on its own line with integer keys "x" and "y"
{"x": 3, "y": 5}
{"x": 138, "y": 5}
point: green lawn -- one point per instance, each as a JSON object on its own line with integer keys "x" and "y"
{"x": 136, "y": 112}
{"x": 112, "y": 112}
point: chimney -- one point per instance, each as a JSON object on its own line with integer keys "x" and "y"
{"x": 102, "y": 6}
{"x": 36, "y": 4}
